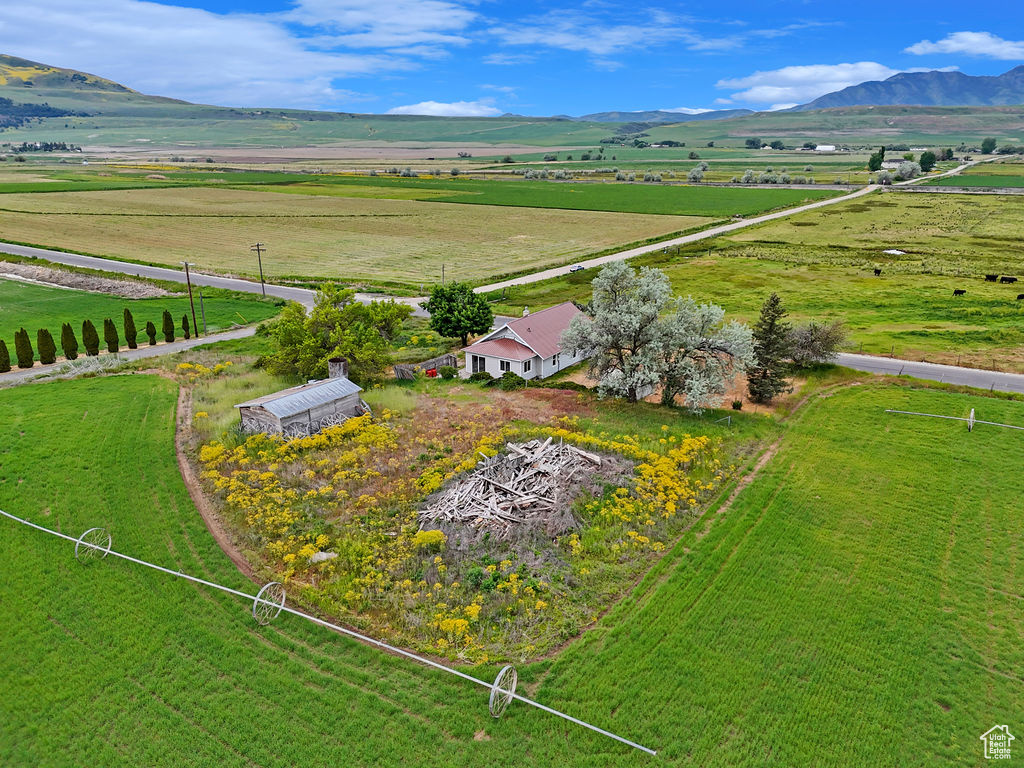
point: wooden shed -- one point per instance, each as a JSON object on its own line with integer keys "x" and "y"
{"x": 304, "y": 409}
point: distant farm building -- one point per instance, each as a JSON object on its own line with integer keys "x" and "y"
{"x": 825, "y": 148}
{"x": 529, "y": 346}
{"x": 307, "y": 408}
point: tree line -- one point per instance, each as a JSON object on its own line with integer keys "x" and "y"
{"x": 24, "y": 354}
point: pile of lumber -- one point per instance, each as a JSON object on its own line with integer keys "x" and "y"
{"x": 521, "y": 485}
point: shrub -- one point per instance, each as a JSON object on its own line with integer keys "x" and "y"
{"x": 455, "y": 171}
{"x": 693, "y": 156}
{"x": 748, "y": 177}
{"x": 907, "y": 170}
{"x": 695, "y": 175}
{"x": 151, "y": 332}
{"x": 429, "y": 541}
{"x": 448, "y": 371}
{"x": 23, "y": 349}
{"x": 68, "y": 342}
{"x": 185, "y": 327}
{"x": 130, "y": 333}
{"x": 5, "y": 357}
{"x": 47, "y": 349}
{"x": 90, "y": 339}
{"x": 480, "y": 376}
{"x": 510, "y": 381}
{"x": 737, "y": 405}
{"x": 168, "y": 326}
{"x": 110, "y": 336}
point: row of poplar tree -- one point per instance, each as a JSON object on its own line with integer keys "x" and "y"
{"x": 25, "y": 355}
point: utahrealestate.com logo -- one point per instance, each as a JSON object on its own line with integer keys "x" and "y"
{"x": 997, "y": 742}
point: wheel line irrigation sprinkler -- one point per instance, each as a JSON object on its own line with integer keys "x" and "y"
{"x": 269, "y": 603}
{"x": 971, "y": 421}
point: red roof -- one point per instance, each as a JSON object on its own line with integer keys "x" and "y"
{"x": 542, "y": 331}
{"x": 510, "y": 349}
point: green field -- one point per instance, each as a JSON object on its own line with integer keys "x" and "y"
{"x": 821, "y": 262}
{"x": 377, "y": 241}
{"x": 977, "y": 180}
{"x": 867, "y": 617}
{"x": 28, "y": 306}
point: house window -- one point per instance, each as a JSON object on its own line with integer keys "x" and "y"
{"x": 505, "y": 365}
{"x": 554, "y": 360}
{"x": 527, "y": 365}
{"x": 478, "y": 364}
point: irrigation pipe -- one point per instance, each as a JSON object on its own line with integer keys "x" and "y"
{"x": 343, "y": 630}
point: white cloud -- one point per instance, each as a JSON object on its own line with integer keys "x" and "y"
{"x": 973, "y": 44}
{"x": 373, "y": 24}
{"x": 799, "y": 84}
{"x": 508, "y": 59}
{"x": 573, "y": 30}
{"x": 687, "y": 110}
{"x": 479, "y": 108}
{"x": 233, "y": 59}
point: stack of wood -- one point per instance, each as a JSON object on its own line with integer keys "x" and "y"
{"x": 520, "y": 486}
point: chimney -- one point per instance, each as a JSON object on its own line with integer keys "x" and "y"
{"x": 337, "y": 368}
{"x": 526, "y": 311}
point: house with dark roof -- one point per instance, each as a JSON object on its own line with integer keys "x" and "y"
{"x": 529, "y": 346}
{"x": 307, "y": 408}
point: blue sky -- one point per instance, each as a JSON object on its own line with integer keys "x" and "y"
{"x": 487, "y": 58}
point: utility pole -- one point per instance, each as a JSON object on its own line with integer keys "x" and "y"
{"x": 442, "y": 274}
{"x": 202, "y": 309}
{"x": 259, "y": 248}
{"x": 188, "y": 280}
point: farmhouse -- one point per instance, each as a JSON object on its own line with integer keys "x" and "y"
{"x": 529, "y": 346}
{"x": 307, "y": 408}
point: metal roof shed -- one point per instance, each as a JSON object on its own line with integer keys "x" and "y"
{"x": 304, "y": 409}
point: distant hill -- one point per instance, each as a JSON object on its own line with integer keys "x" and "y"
{"x": 929, "y": 89}
{"x": 22, "y": 73}
{"x": 662, "y": 116}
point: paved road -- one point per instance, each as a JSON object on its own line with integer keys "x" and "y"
{"x": 18, "y": 375}
{"x": 950, "y": 374}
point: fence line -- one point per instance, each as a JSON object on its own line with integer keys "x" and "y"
{"x": 257, "y": 599}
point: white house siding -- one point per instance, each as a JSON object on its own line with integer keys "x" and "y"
{"x": 551, "y": 366}
{"x": 493, "y": 366}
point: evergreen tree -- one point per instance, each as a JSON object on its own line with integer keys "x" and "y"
{"x": 110, "y": 335}
{"x": 47, "y": 349}
{"x": 767, "y": 377}
{"x": 5, "y": 357}
{"x": 23, "y": 349}
{"x": 185, "y": 327}
{"x": 68, "y": 342}
{"x": 90, "y": 339}
{"x": 129, "y": 329}
{"x": 168, "y": 327}
{"x": 151, "y": 332}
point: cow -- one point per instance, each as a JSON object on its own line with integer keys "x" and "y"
{"x": 991, "y": 278}
{"x": 1007, "y": 279}
{"x": 1020, "y": 297}
{"x": 959, "y": 291}
{"x": 877, "y": 271}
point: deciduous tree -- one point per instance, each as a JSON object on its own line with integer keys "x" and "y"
{"x": 456, "y": 312}
{"x": 988, "y": 146}
{"x": 816, "y": 342}
{"x": 927, "y": 160}
{"x": 767, "y": 377}
{"x": 338, "y": 326}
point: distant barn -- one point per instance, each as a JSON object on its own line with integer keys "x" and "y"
{"x": 307, "y": 408}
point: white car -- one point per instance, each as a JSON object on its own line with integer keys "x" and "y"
{"x": 577, "y": 268}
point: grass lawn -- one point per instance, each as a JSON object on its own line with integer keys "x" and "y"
{"x": 396, "y": 242}
{"x": 821, "y": 263}
{"x": 861, "y": 617}
{"x": 858, "y": 604}
{"x": 28, "y": 306}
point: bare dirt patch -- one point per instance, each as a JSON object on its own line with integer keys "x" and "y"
{"x": 59, "y": 278}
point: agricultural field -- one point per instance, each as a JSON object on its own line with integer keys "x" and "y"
{"x": 821, "y": 263}
{"x": 29, "y": 306}
{"x": 1004, "y": 173}
{"x": 377, "y": 241}
{"x": 875, "y": 603}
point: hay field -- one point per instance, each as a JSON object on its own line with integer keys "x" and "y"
{"x": 375, "y": 241}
